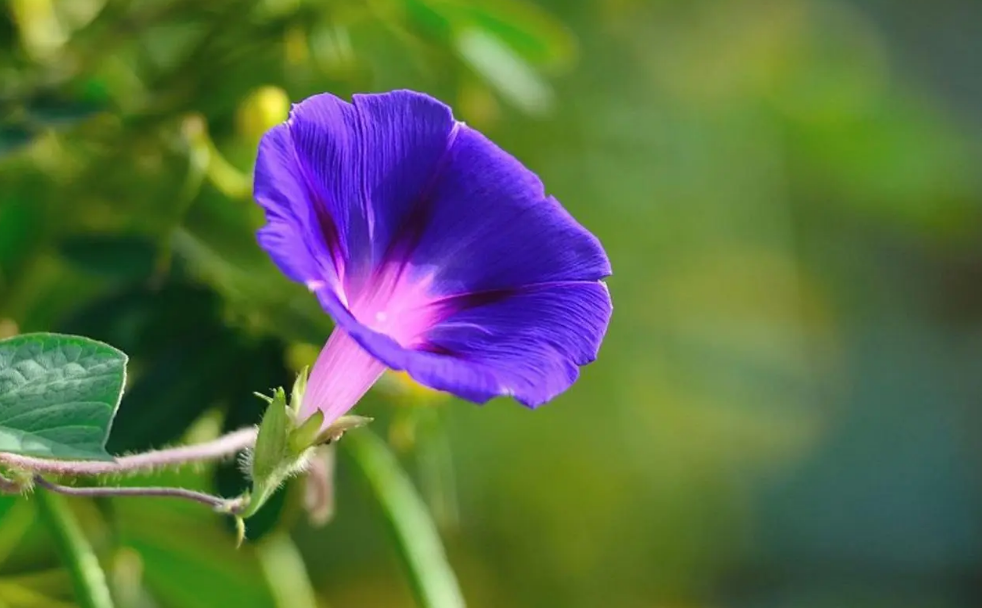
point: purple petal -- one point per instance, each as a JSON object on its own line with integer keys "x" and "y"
{"x": 488, "y": 225}
{"x": 527, "y": 345}
{"x": 291, "y": 236}
{"x": 366, "y": 164}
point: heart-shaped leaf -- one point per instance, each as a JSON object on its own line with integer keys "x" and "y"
{"x": 58, "y": 395}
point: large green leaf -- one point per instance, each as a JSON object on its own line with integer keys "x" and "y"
{"x": 58, "y": 395}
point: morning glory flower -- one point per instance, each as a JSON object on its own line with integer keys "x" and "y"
{"x": 435, "y": 252}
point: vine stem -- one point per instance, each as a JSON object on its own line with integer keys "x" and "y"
{"x": 217, "y": 449}
{"x": 219, "y": 504}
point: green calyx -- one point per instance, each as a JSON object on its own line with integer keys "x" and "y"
{"x": 285, "y": 444}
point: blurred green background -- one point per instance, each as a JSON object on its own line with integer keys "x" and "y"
{"x": 785, "y": 411}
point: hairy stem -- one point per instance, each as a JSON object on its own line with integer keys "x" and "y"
{"x": 216, "y": 502}
{"x": 218, "y": 449}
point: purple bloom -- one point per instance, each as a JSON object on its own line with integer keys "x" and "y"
{"x": 435, "y": 252}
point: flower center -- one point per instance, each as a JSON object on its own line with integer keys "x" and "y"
{"x": 390, "y": 303}
{"x": 396, "y": 305}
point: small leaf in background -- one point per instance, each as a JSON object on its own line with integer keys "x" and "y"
{"x": 503, "y": 69}
{"x": 286, "y": 572}
{"x": 55, "y": 111}
{"x": 434, "y": 458}
{"x": 58, "y": 395}
{"x": 505, "y": 43}
{"x": 75, "y": 549}
{"x": 411, "y": 528}
{"x": 533, "y": 34}
{"x": 21, "y": 230}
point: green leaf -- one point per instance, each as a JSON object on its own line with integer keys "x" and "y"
{"x": 58, "y": 395}
{"x": 285, "y": 572}
{"x": 531, "y": 32}
{"x": 57, "y": 111}
{"x": 503, "y": 69}
{"x": 410, "y": 525}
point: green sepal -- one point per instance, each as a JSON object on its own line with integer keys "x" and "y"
{"x": 341, "y": 426}
{"x": 240, "y": 532}
{"x": 272, "y": 460}
{"x": 307, "y": 434}
{"x": 299, "y": 388}
{"x": 310, "y": 435}
{"x": 271, "y": 444}
{"x": 283, "y": 448}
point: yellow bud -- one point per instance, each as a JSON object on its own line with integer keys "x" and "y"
{"x": 195, "y": 130}
{"x": 413, "y": 392}
{"x": 261, "y": 110}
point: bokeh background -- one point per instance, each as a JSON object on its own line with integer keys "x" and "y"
{"x": 785, "y": 411}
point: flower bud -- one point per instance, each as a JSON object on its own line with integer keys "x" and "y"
{"x": 261, "y": 110}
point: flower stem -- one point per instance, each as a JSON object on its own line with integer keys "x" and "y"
{"x": 218, "y": 449}
{"x": 91, "y": 590}
{"x": 215, "y": 502}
